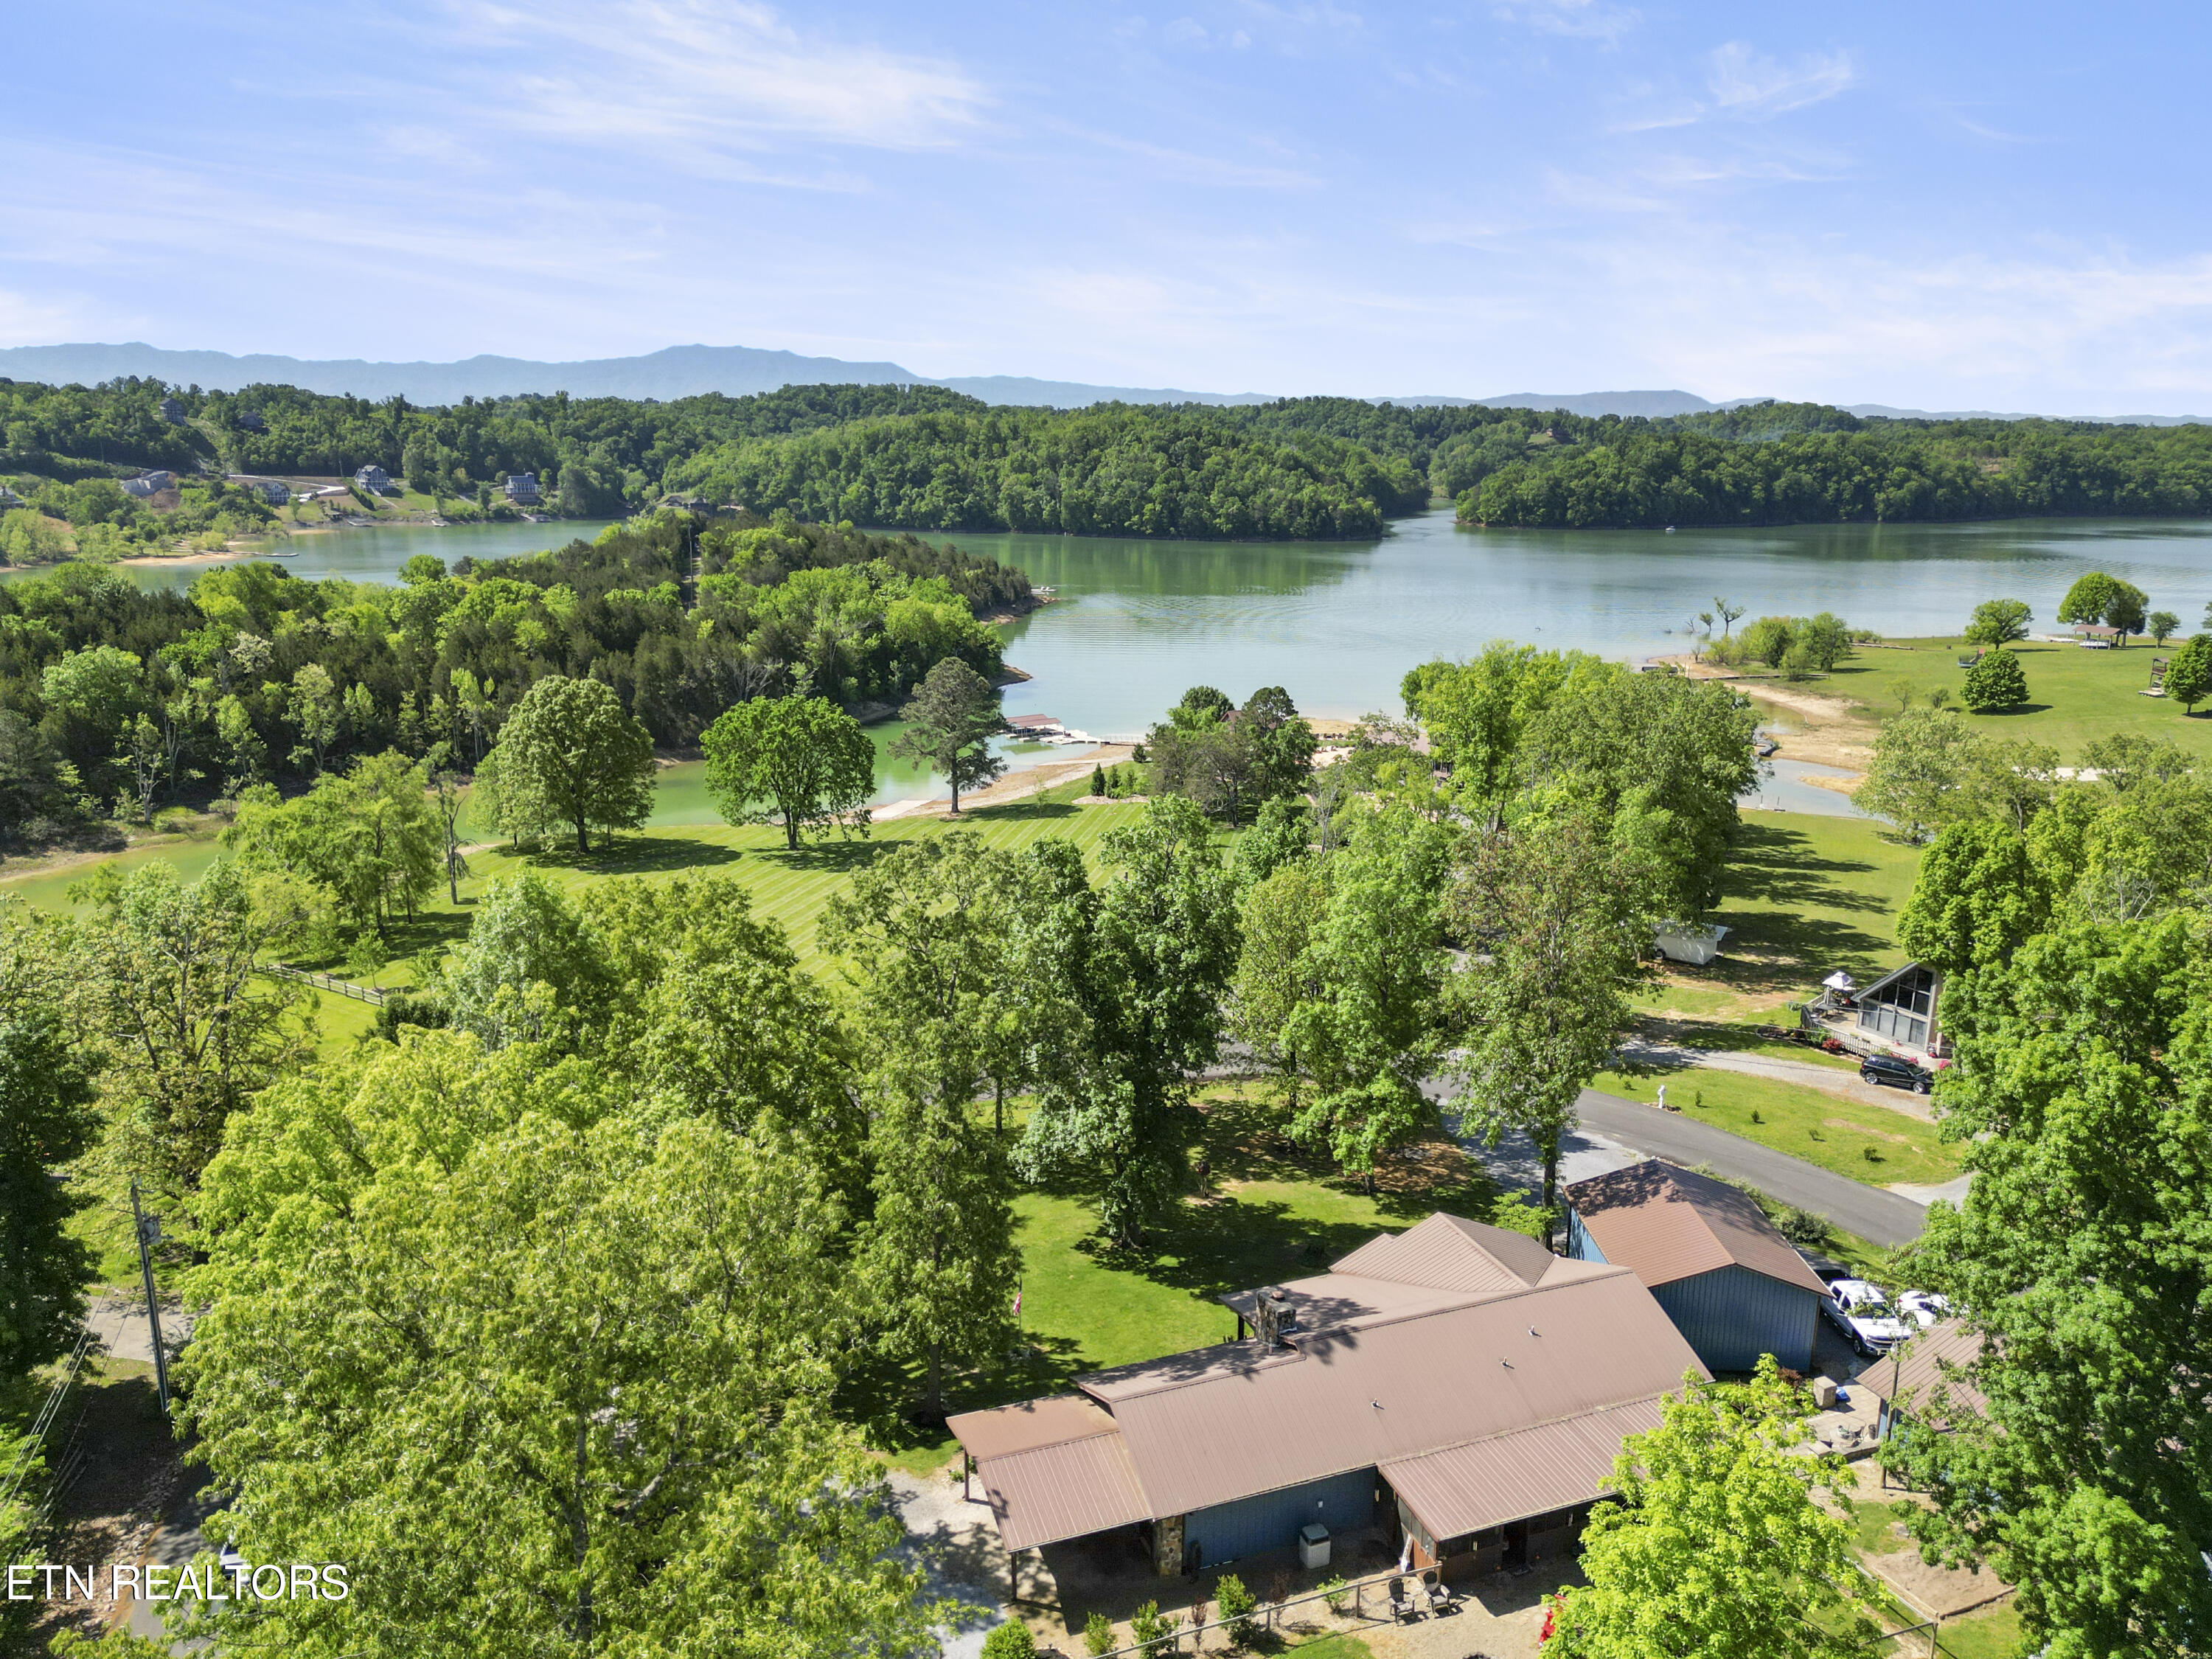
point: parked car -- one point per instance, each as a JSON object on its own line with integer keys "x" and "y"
{"x": 1896, "y": 1073}
{"x": 1923, "y": 1308}
{"x": 1862, "y": 1311}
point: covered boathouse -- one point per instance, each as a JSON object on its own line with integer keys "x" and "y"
{"x": 1457, "y": 1388}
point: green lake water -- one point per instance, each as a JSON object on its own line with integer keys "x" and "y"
{"x": 1338, "y": 623}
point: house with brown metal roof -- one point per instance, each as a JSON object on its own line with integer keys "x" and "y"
{"x": 1930, "y": 1381}
{"x": 1457, "y": 1389}
{"x": 1734, "y": 1287}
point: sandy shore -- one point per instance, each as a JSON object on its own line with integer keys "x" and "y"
{"x": 1834, "y": 732}
{"x": 1019, "y": 785}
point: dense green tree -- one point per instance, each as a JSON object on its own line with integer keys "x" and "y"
{"x": 1148, "y": 956}
{"x": 1715, "y": 1547}
{"x": 800, "y": 759}
{"x": 949, "y": 725}
{"x": 1365, "y": 1026}
{"x": 35, "y": 782}
{"x": 2088, "y": 599}
{"x": 187, "y": 1032}
{"x": 1996, "y": 681}
{"x": 2083, "y": 1092}
{"x": 1920, "y": 778}
{"x": 569, "y": 746}
{"x": 1549, "y": 907}
{"x": 607, "y": 1339}
{"x": 2161, "y": 626}
{"x": 1998, "y": 622}
{"x": 2189, "y": 673}
{"x": 1978, "y": 894}
{"x": 1277, "y": 967}
{"x": 532, "y": 965}
{"x": 45, "y": 1122}
{"x": 369, "y": 840}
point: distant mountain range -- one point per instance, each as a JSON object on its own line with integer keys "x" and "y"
{"x": 740, "y": 371}
{"x": 676, "y": 372}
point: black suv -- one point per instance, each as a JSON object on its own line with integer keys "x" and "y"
{"x": 1898, "y": 1073}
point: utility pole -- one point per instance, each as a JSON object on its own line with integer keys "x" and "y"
{"x": 150, "y": 1229}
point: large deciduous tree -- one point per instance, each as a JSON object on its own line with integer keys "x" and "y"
{"x": 46, "y": 1122}
{"x": 188, "y": 1032}
{"x": 1549, "y": 910}
{"x": 455, "y": 1296}
{"x": 2189, "y": 675}
{"x": 1148, "y": 955}
{"x": 569, "y": 747}
{"x": 2082, "y": 1252}
{"x": 1923, "y": 762}
{"x": 1715, "y": 1547}
{"x": 1996, "y": 681}
{"x": 1998, "y": 622}
{"x": 951, "y": 720}
{"x": 1364, "y": 1023}
{"x": 930, "y": 940}
{"x": 801, "y": 759}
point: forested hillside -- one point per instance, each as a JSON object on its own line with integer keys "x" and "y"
{"x": 111, "y": 694}
{"x": 923, "y": 457}
{"x": 1796, "y": 464}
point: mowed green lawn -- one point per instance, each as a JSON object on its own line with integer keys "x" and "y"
{"x": 1822, "y": 1128}
{"x": 1803, "y": 895}
{"x": 2075, "y": 697}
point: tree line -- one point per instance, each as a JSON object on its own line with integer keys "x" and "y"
{"x": 114, "y": 698}
{"x": 2067, "y": 919}
{"x": 1793, "y": 471}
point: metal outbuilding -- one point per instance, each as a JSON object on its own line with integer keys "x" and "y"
{"x": 1734, "y": 1287}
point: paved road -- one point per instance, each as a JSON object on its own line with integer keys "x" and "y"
{"x": 1885, "y": 1218}
{"x": 1806, "y": 1073}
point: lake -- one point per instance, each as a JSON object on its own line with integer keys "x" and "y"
{"x": 1338, "y": 623}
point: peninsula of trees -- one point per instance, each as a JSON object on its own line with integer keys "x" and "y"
{"x": 111, "y": 694}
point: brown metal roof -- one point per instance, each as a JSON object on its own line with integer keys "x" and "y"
{"x": 1224, "y": 1423}
{"x": 1668, "y": 1223}
{"x": 1026, "y": 1426}
{"x": 1052, "y": 1469}
{"x": 1935, "y": 1358}
{"x": 1449, "y": 1253}
{"x": 1520, "y": 1473}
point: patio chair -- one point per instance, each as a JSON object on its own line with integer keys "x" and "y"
{"x": 1442, "y": 1598}
{"x": 1402, "y": 1609}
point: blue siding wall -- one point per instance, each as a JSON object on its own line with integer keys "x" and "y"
{"x": 1580, "y": 1244}
{"x": 1732, "y": 1316}
{"x": 1270, "y": 1520}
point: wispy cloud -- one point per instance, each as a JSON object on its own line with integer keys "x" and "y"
{"x": 1585, "y": 20}
{"x": 1745, "y": 83}
{"x": 674, "y": 74}
{"x": 1189, "y": 167}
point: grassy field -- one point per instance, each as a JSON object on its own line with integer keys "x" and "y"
{"x": 2075, "y": 697}
{"x": 1803, "y": 895}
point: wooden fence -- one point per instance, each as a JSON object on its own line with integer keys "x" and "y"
{"x": 344, "y": 988}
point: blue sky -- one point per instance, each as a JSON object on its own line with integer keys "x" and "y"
{"x": 1941, "y": 205}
